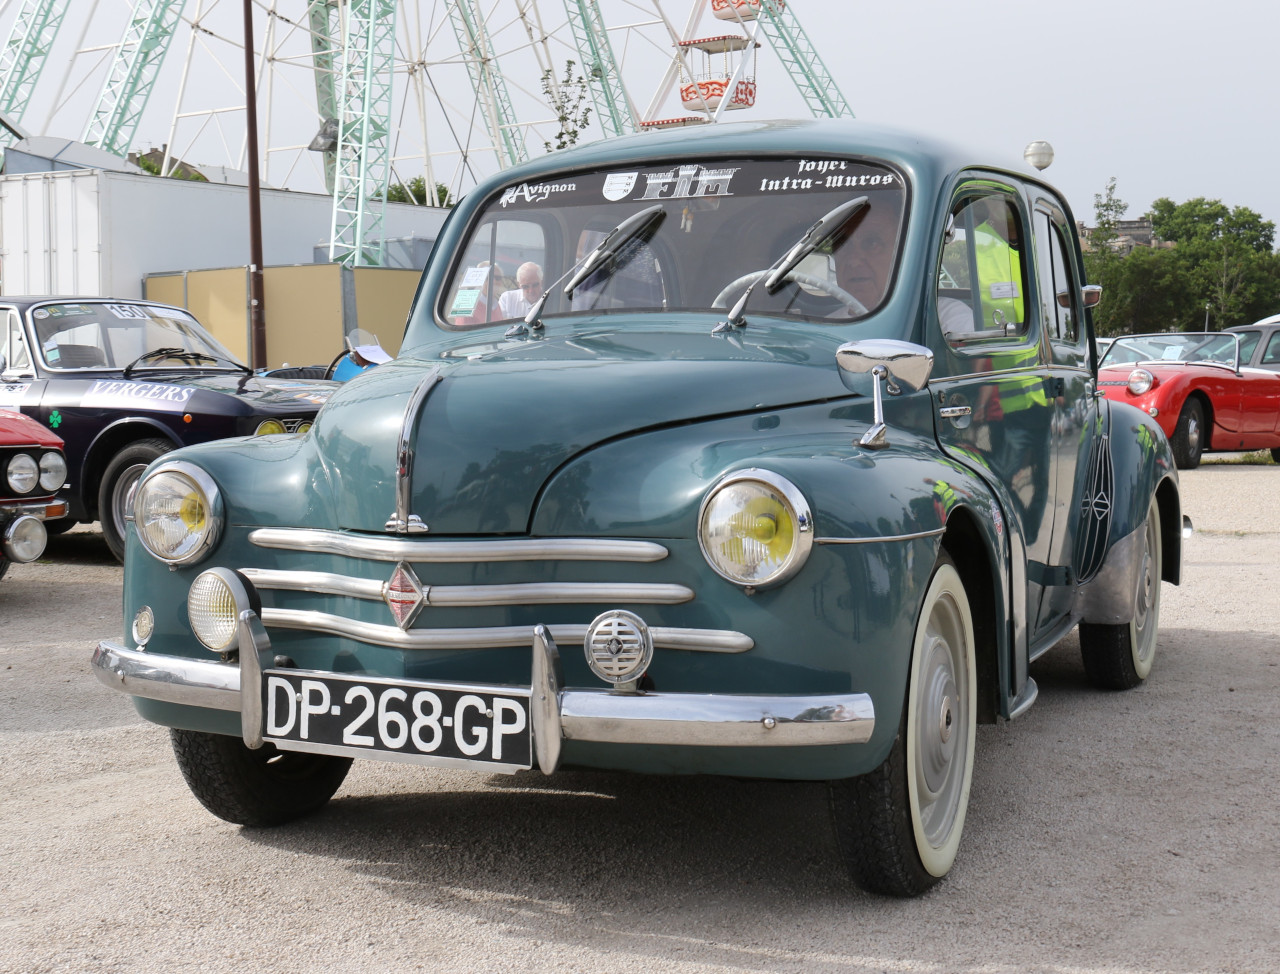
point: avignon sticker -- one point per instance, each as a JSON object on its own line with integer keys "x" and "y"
{"x": 139, "y": 395}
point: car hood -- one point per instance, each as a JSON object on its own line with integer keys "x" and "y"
{"x": 19, "y": 430}
{"x": 257, "y": 390}
{"x": 504, "y": 416}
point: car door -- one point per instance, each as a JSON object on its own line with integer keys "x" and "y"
{"x": 995, "y": 411}
{"x": 1073, "y": 430}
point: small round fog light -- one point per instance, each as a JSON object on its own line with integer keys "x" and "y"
{"x": 619, "y": 646}
{"x": 214, "y": 603}
{"x": 269, "y": 427}
{"x": 25, "y": 539}
{"x": 144, "y": 624}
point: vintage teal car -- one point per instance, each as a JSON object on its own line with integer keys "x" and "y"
{"x": 769, "y": 450}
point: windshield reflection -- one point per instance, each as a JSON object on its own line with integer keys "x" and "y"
{"x": 727, "y": 221}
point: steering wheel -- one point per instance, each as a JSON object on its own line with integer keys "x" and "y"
{"x": 721, "y": 300}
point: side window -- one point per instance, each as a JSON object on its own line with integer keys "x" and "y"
{"x": 502, "y": 274}
{"x": 982, "y": 278}
{"x": 13, "y": 345}
{"x": 1272, "y": 355}
{"x": 1059, "y": 293}
{"x": 1248, "y": 342}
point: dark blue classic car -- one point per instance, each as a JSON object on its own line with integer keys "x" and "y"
{"x": 123, "y": 382}
{"x": 781, "y": 456}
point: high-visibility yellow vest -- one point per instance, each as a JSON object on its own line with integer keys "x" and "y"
{"x": 999, "y": 279}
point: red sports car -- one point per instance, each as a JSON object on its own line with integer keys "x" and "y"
{"x": 32, "y": 471}
{"x": 1194, "y": 386}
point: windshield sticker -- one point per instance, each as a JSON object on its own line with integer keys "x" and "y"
{"x": 40, "y": 313}
{"x": 316, "y": 398}
{"x": 12, "y": 393}
{"x": 687, "y": 182}
{"x": 51, "y": 353}
{"x": 148, "y": 395}
{"x": 64, "y": 310}
{"x": 535, "y": 193}
{"x": 474, "y": 277}
{"x": 618, "y": 185}
{"x": 464, "y": 302}
{"x": 127, "y": 311}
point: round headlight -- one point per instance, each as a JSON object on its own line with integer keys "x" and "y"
{"x": 177, "y": 512}
{"x": 1141, "y": 381}
{"x": 755, "y": 528}
{"x": 25, "y": 538}
{"x": 213, "y": 609}
{"x": 268, "y": 427}
{"x": 303, "y": 427}
{"x": 22, "y": 474}
{"x": 53, "y": 471}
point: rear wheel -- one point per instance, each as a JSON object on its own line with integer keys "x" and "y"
{"x": 1275, "y": 454}
{"x": 118, "y": 479}
{"x": 1118, "y": 657}
{"x": 1188, "y": 435}
{"x": 899, "y": 827}
{"x": 266, "y": 786}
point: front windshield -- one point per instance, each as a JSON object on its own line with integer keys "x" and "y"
{"x": 725, "y": 221}
{"x": 1181, "y": 347}
{"x": 92, "y": 335}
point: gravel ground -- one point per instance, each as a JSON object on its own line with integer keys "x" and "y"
{"x": 1118, "y": 833}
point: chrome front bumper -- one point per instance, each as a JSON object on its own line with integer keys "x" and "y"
{"x": 557, "y": 713}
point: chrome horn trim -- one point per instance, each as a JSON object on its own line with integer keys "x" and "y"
{"x": 374, "y": 548}
{"x": 694, "y": 640}
{"x": 528, "y": 593}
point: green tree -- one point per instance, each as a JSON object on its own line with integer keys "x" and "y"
{"x": 1226, "y": 255}
{"x": 566, "y": 99}
{"x": 415, "y": 191}
{"x": 1102, "y": 264}
{"x": 1221, "y": 258}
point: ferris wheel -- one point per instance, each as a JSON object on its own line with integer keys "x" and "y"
{"x": 354, "y": 95}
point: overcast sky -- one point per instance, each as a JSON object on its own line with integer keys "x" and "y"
{"x": 1171, "y": 99}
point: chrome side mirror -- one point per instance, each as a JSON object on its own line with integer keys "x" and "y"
{"x": 1091, "y": 295}
{"x": 868, "y": 365}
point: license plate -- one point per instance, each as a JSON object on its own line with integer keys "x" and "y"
{"x": 447, "y": 724}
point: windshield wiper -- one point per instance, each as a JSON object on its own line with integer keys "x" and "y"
{"x": 617, "y": 238}
{"x": 184, "y": 355}
{"x": 773, "y": 276}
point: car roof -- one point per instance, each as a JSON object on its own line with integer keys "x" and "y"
{"x": 24, "y": 301}
{"x": 917, "y": 153}
{"x": 1269, "y": 322}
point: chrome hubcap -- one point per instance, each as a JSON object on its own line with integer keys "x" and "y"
{"x": 942, "y": 722}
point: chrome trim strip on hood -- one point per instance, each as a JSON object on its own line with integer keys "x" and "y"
{"x": 401, "y": 521}
{"x": 314, "y": 541}
{"x": 695, "y": 640}
{"x": 531, "y": 593}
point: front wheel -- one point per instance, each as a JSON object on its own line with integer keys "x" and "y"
{"x": 1188, "y": 435}
{"x": 899, "y": 827}
{"x": 266, "y": 786}
{"x": 1118, "y": 657}
{"x": 118, "y": 479}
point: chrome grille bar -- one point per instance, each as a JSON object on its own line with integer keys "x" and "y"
{"x": 530, "y": 593}
{"x": 694, "y": 640}
{"x": 391, "y": 549}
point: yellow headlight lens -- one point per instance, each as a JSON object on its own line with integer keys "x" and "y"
{"x": 269, "y": 426}
{"x": 177, "y": 513}
{"x": 755, "y": 529}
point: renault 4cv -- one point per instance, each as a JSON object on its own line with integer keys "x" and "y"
{"x": 768, "y": 450}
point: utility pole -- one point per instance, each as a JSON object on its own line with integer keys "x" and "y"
{"x": 257, "y": 316}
